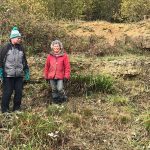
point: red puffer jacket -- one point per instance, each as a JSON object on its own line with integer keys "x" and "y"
{"x": 57, "y": 67}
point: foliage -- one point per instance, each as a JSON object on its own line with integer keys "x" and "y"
{"x": 68, "y": 9}
{"x": 24, "y": 14}
{"x": 38, "y": 28}
{"x": 74, "y": 119}
{"x": 56, "y": 110}
{"x": 102, "y": 9}
{"x": 145, "y": 118}
{"x": 110, "y": 10}
{"x": 119, "y": 100}
{"x": 90, "y": 83}
{"x": 78, "y": 123}
{"x": 34, "y": 131}
{"x": 131, "y": 9}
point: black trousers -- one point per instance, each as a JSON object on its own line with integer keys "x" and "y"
{"x": 11, "y": 84}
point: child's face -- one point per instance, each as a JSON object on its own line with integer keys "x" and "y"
{"x": 56, "y": 48}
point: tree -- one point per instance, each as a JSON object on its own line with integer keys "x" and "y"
{"x": 134, "y": 10}
{"x": 102, "y": 9}
{"x": 64, "y": 9}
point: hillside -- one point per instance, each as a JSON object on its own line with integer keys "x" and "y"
{"x": 114, "y": 118}
{"x": 111, "y": 32}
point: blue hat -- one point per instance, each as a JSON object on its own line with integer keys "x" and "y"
{"x": 15, "y": 33}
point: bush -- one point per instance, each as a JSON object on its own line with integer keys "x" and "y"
{"x": 131, "y": 10}
{"x": 85, "y": 84}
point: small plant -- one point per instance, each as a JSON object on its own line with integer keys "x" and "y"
{"x": 56, "y": 110}
{"x": 86, "y": 28}
{"x": 118, "y": 100}
{"x": 90, "y": 83}
{"x": 73, "y": 27}
{"x": 73, "y": 119}
{"x": 121, "y": 118}
{"x": 86, "y": 112}
{"x": 145, "y": 118}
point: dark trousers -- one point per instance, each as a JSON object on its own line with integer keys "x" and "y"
{"x": 11, "y": 84}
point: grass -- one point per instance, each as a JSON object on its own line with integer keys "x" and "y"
{"x": 94, "y": 83}
{"x": 118, "y": 100}
{"x": 58, "y": 110}
{"x": 145, "y": 118}
{"x": 83, "y": 123}
{"x": 115, "y": 116}
{"x": 32, "y": 130}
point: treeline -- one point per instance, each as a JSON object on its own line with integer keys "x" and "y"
{"x": 109, "y": 10}
{"x": 36, "y": 19}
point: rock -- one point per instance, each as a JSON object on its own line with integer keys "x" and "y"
{"x": 141, "y": 41}
{"x": 137, "y": 40}
{"x": 146, "y": 42}
{"x": 130, "y": 73}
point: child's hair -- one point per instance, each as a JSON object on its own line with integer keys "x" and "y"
{"x": 56, "y": 42}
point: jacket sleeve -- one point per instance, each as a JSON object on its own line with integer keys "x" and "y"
{"x": 3, "y": 51}
{"x": 25, "y": 63}
{"x": 67, "y": 67}
{"x": 46, "y": 69}
{"x": 1, "y": 60}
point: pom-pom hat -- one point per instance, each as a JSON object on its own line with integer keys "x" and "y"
{"x": 15, "y": 33}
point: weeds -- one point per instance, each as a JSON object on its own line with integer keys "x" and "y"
{"x": 73, "y": 27}
{"x": 118, "y": 100}
{"x": 32, "y": 130}
{"x": 145, "y": 118}
{"x": 74, "y": 119}
{"x": 90, "y": 83}
{"x": 86, "y": 112}
{"x": 56, "y": 110}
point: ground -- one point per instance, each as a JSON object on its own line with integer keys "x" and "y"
{"x": 114, "y": 120}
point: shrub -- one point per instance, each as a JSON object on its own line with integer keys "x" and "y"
{"x": 90, "y": 83}
{"x": 131, "y": 10}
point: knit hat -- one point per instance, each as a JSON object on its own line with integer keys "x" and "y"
{"x": 15, "y": 33}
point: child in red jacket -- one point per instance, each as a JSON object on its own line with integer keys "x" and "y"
{"x": 57, "y": 70}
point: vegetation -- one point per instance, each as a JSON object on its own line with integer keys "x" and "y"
{"x": 131, "y": 9}
{"x": 109, "y": 103}
{"x": 110, "y": 10}
{"x": 38, "y": 34}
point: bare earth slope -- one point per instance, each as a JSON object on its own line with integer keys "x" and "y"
{"x": 111, "y": 32}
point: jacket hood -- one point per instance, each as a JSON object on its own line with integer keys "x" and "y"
{"x": 61, "y": 53}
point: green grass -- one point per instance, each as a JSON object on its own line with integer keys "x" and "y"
{"x": 118, "y": 100}
{"x": 145, "y": 118}
{"x": 29, "y": 130}
{"x": 92, "y": 83}
{"x": 57, "y": 110}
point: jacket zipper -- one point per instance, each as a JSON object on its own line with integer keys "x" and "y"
{"x": 55, "y": 66}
